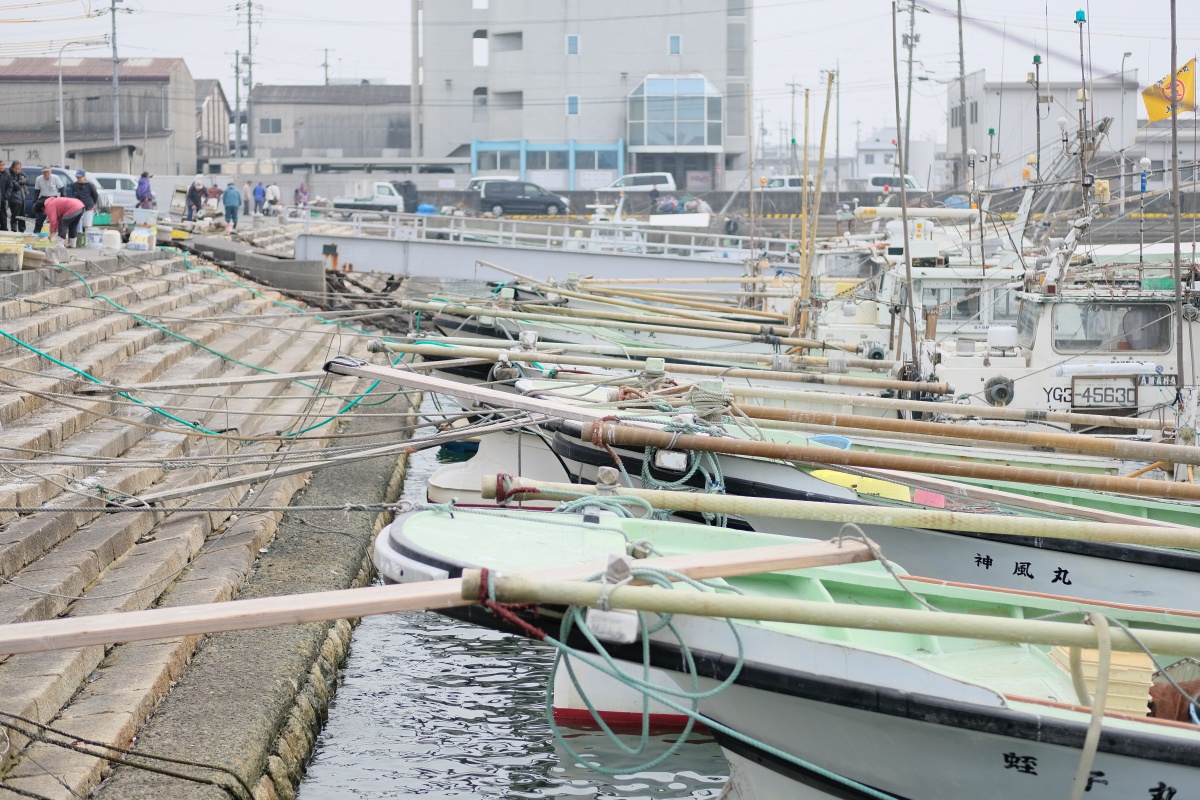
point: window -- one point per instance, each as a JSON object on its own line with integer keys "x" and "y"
{"x": 479, "y": 49}
{"x": 956, "y": 304}
{"x": 955, "y": 116}
{"x": 737, "y": 8}
{"x": 1112, "y": 327}
{"x": 676, "y": 111}
{"x": 674, "y": 44}
{"x": 479, "y": 99}
{"x": 508, "y": 42}
{"x": 974, "y": 112}
{"x": 572, "y": 44}
{"x": 869, "y": 158}
{"x": 572, "y": 105}
{"x": 479, "y": 4}
{"x": 270, "y": 125}
{"x": 509, "y": 101}
{"x": 1006, "y": 305}
{"x": 1028, "y": 316}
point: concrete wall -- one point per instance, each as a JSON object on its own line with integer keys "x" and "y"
{"x": 349, "y": 130}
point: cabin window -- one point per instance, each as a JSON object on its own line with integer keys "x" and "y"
{"x": 956, "y": 304}
{"x": 1027, "y": 324}
{"x": 848, "y": 265}
{"x": 1005, "y": 307}
{"x": 1112, "y": 327}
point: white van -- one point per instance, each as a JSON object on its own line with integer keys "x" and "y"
{"x": 642, "y": 182}
{"x": 119, "y": 186}
{"x": 878, "y": 182}
{"x": 781, "y": 183}
{"x": 475, "y": 184}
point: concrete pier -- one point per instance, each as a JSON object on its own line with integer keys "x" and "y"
{"x": 248, "y": 703}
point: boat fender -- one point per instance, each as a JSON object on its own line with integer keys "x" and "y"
{"x": 999, "y": 391}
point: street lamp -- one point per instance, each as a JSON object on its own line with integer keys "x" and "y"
{"x": 1145, "y": 165}
{"x": 973, "y": 188}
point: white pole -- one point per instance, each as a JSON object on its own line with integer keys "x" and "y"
{"x": 62, "y": 136}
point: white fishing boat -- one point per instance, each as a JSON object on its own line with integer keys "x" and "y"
{"x": 829, "y": 711}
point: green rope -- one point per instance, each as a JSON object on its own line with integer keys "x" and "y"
{"x": 85, "y": 374}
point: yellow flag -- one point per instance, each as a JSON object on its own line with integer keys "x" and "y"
{"x": 1162, "y": 100}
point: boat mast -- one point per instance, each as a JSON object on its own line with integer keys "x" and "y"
{"x": 902, "y": 156}
{"x": 1176, "y": 101}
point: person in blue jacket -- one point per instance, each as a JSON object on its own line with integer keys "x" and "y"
{"x": 232, "y": 200}
{"x": 260, "y": 194}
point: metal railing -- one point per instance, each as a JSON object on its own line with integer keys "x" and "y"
{"x": 601, "y": 237}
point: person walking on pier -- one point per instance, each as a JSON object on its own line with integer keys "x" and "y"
{"x": 260, "y": 194}
{"x": 232, "y": 199}
{"x": 64, "y": 214}
{"x": 3, "y": 196}
{"x": 16, "y": 184}
{"x": 247, "y": 197}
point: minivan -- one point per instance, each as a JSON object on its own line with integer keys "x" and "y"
{"x": 642, "y": 182}
{"x": 880, "y": 181}
{"x": 520, "y": 197}
{"x": 119, "y": 186}
{"x": 475, "y": 184}
{"x": 786, "y": 182}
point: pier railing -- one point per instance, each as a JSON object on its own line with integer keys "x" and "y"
{"x": 605, "y": 236}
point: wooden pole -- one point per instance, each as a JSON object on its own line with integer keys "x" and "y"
{"x": 919, "y": 518}
{"x": 270, "y": 612}
{"x": 608, "y": 319}
{"x": 681, "y": 369}
{"x": 552, "y": 350}
{"x": 525, "y": 589}
{"x": 711, "y": 330}
{"x": 811, "y": 236}
{"x": 603, "y": 295}
{"x": 1048, "y": 442}
{"x": 642, "y": 437}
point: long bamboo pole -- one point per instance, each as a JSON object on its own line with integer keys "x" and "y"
{"x": 524, "y": 589}
{"x": 921, "y": 518}
{"x": 557, "y": 350}
{"x": 683, "y": 369}
{"x": 644, "y": 437}
{"x": 609, "y": 294}
{"x": 737, "y": 332}
{"x": 270, "y": 612}
{"x": 1048, "y": 442}
{"x": 652, "y": 317}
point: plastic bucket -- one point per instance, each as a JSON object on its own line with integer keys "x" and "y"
{"x": 95, "y": 239}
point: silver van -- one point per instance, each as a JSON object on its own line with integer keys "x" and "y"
{"x": 642, "y": 182}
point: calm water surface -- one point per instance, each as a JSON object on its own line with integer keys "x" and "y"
{"x": 432, "y": 707}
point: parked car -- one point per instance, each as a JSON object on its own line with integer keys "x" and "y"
{"x": 782, "y": 183}
{"x": 372, "y": 196}
{"x": 642, "y": 182}
{"x": 880, "y": 181}
{"x": 519, "y": 197}
{"x": 120, "y": 188}
{"x": 475, "y": 184}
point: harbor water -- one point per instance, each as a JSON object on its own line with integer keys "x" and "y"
{"x": 430, "y": 706}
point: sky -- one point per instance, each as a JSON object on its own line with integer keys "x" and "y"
{"x": 794, "y": 41}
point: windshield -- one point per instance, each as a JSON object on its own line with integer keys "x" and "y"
{"x": 1112, "y": 327}
{"x": 1027, "y": 323}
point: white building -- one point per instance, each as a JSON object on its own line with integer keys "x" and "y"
{"x": 1001, "y": 119}
{"x": 572, "y": 97}
{"x": 876, "y": 155}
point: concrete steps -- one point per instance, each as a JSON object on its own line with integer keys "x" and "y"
{"x": 82, "y": 561}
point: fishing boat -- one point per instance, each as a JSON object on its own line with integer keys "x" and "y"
{"x": 823, "y": 710}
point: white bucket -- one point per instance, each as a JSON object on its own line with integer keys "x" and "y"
{"x": 95, "y": 239}
{"x": 112, "y": 240}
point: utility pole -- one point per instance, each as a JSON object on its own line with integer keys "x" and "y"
{"x": 237, "y": 103}
{"x": 794, "y": 163}
{"x": 962, "y": 95}
{"x": 837, "y": 143}
{"x": 325, "y": 64}
{"x": 116, "y": 80}
{"x": 249, "y": 74}
{"x": 910, "y": 42}
{"x": 1177, "y": 99}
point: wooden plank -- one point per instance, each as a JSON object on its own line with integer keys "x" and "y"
{"x": 268, "y": 612}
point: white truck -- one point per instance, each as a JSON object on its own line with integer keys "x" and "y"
{"x": 378, "y": 196}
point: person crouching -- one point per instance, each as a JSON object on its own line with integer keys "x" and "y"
{"x": 64, "y": 214}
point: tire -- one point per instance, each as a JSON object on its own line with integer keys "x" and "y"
{"x": 498, "y": 210}
{"x": 553, "y": 210}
